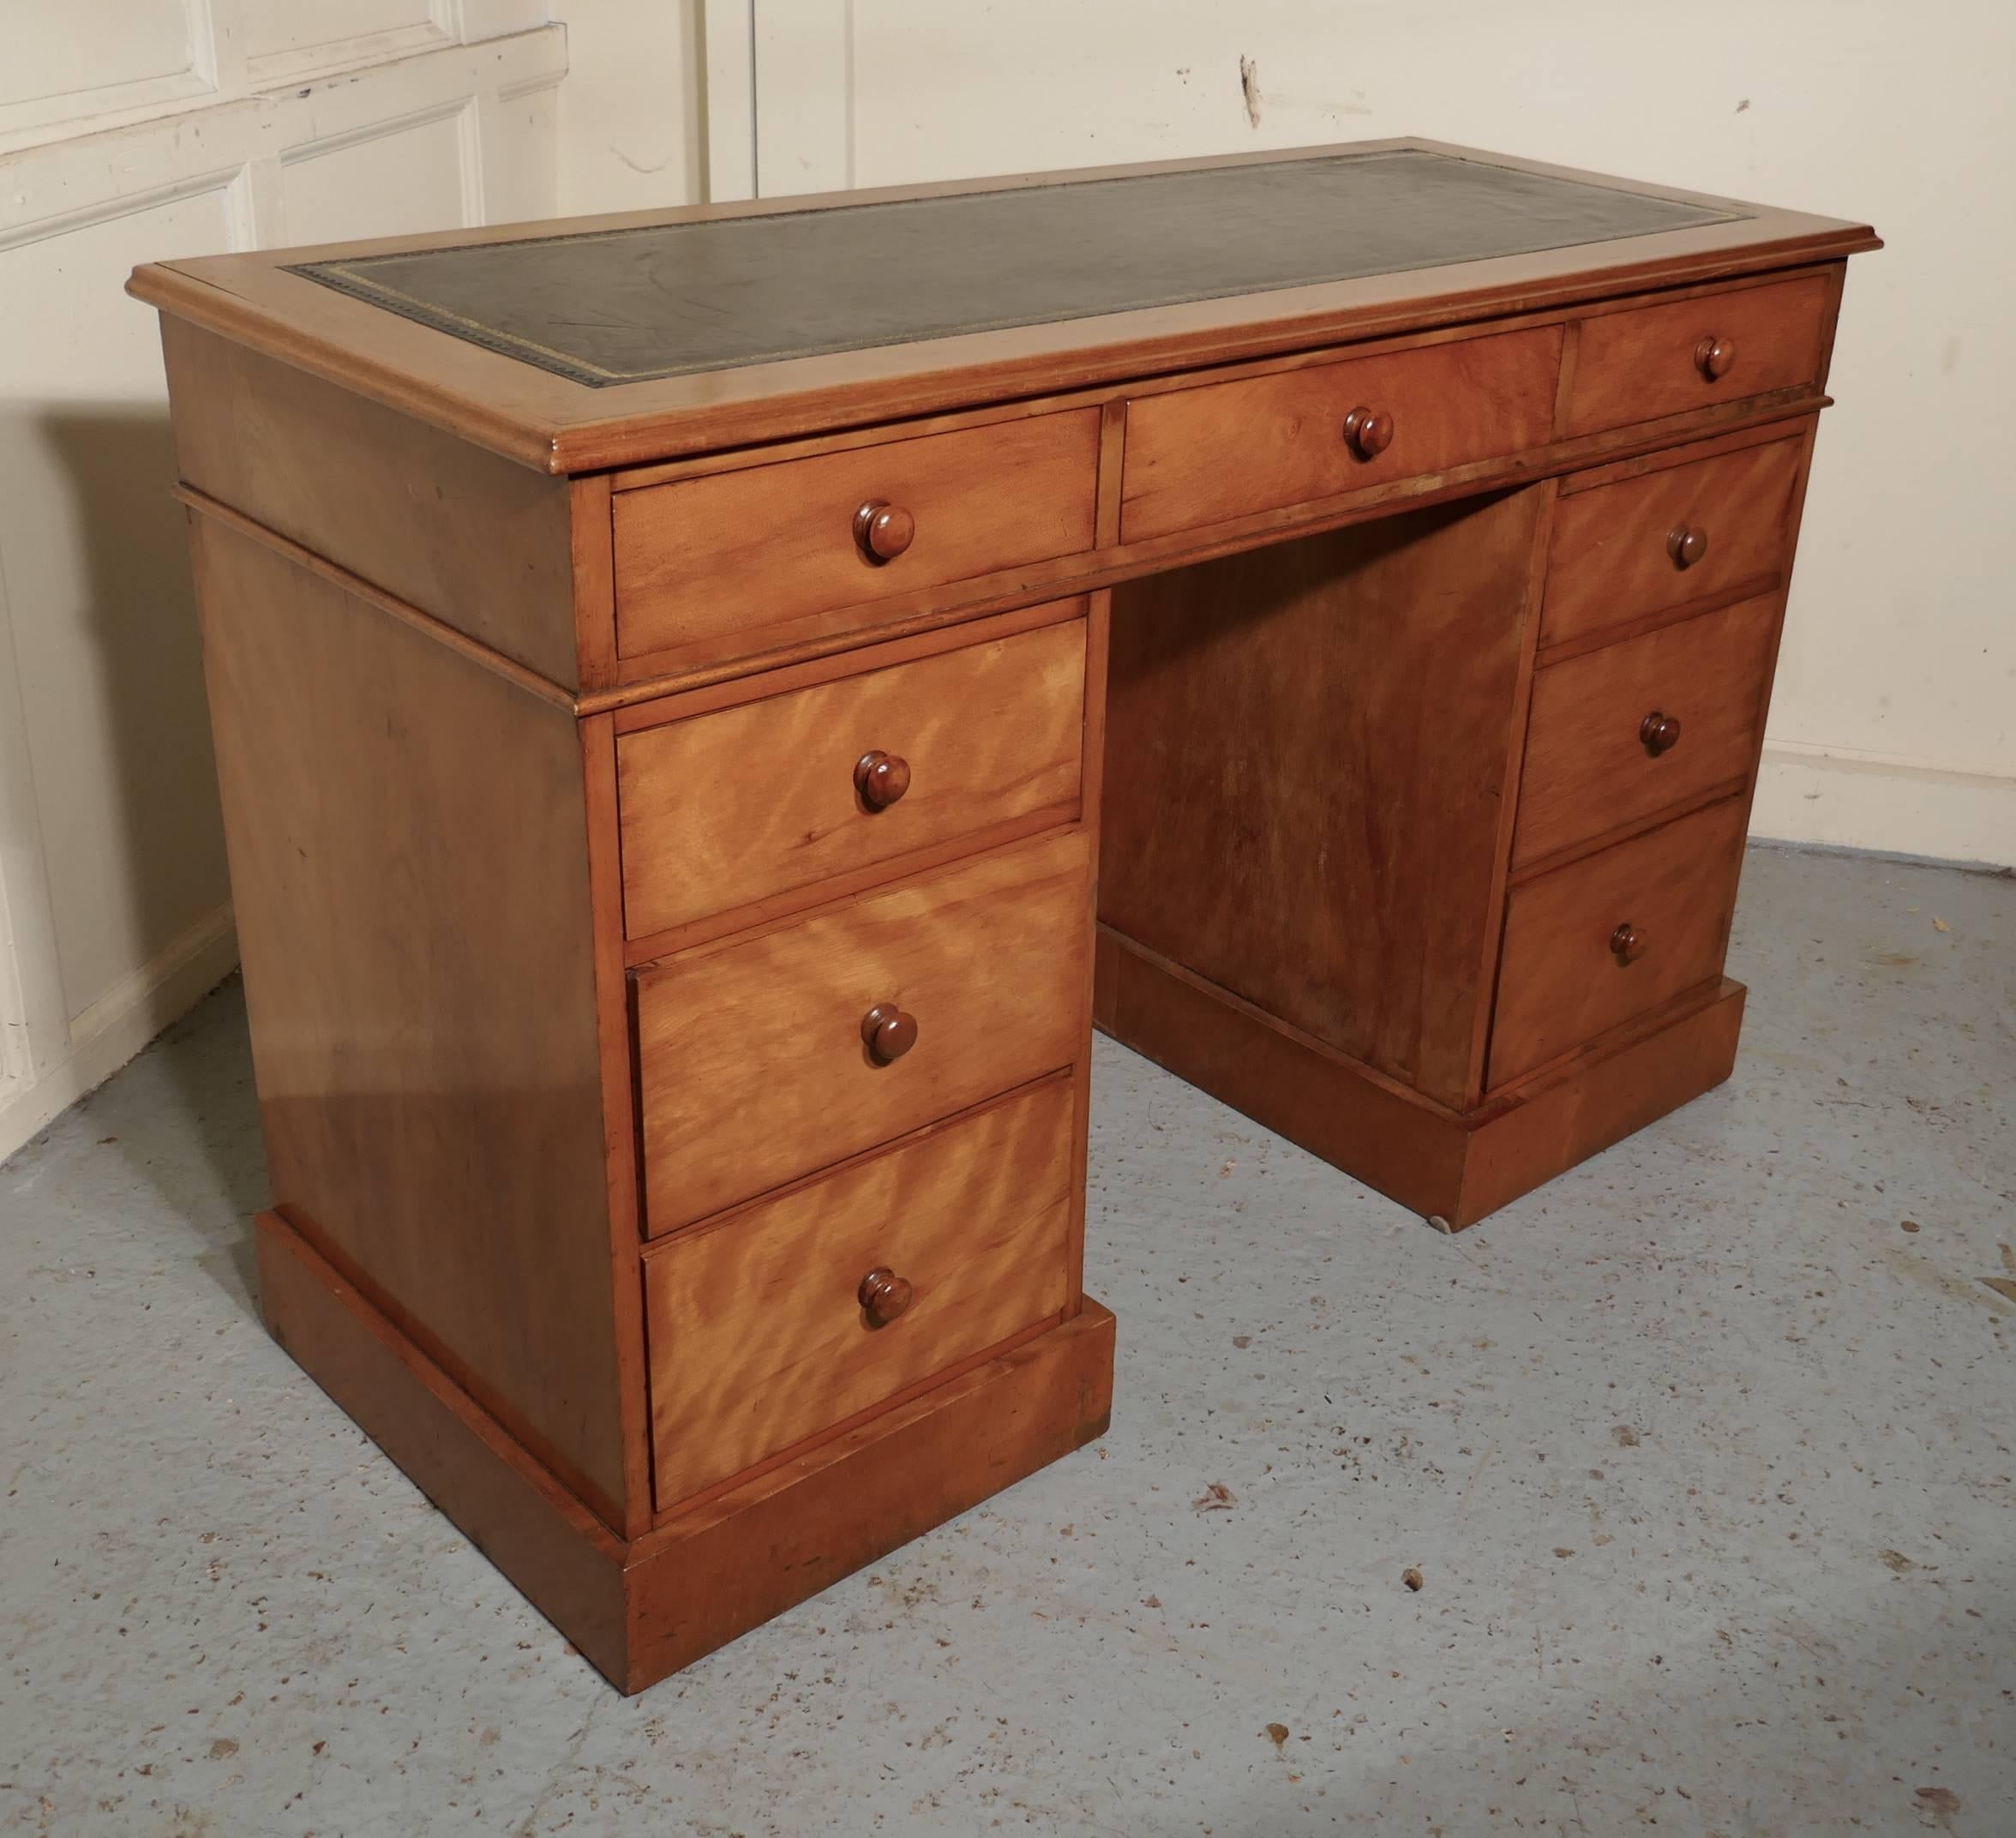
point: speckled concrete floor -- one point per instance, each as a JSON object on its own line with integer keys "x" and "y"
{"x": 1703, "y": 1455}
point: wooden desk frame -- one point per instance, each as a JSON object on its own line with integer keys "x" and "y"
{"x": 413, "y": 551}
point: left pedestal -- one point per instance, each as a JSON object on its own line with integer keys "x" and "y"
{"x": 424, "y": 849}
{"x": 643, "y": 1608}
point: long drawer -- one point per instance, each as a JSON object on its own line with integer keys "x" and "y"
{"x": 766, "y": 1056}
{"x": 791, "y": 1315}
{"x": 1653, "y": 361}
{"x": 1623, "y": 552}
{"x": 724, "y": 810}
{"x": 1592, "y": 944}
{"x": 1201, "y": 456}
{"x": 1620, "y": 734}
{"x": 732, "y": 563}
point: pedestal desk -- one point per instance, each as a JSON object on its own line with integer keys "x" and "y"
{"x": 713, "y": 707}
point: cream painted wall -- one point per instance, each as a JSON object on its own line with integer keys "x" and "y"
{"x": 1891, "y": 724}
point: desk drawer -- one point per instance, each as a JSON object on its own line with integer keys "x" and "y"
{"x": 1622, "y": 551}
{"x": 731, "y": 563}
{"x": 1593, "y": 761}
{"x": 1656, "y": 360}
{"x": 723, "y": 810}
{"x": 751, "y": 1064}
{"x": 760, "y": 1334}
{"x": 1594, "y": 944}
{"x": 1201, "y": 456}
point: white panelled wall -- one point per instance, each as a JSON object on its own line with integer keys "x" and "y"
{"x": 132, "y": 130}
{"x": 1893, "y": 720}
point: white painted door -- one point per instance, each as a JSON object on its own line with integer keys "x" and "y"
{"x": 132, "y": 130}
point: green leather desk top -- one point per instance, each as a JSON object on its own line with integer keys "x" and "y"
{"x": 627, "y": 305}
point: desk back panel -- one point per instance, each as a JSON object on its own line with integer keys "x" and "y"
{"x": 1309, "y": 757}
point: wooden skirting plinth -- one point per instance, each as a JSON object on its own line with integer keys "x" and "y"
{"x": 1455, "y": 1166}
{"x": 643, "y": 1609}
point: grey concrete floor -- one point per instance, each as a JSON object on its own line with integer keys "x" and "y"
{"x": 1703, "y": 1455}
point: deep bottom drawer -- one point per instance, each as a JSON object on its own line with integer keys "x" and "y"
{"x": 1591, "y": 944}
{"x": 766, "y": 1327}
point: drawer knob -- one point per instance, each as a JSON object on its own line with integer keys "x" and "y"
{"x": 1659, "y": 733}
{"x": 881, "y": 778}
{"x": 883, "y": 530}
{"x": 889, "y": 1031}
{"x": 1368, "y": 432}
{"x": 1686, "y": 545}
{"x": 1627, "y": 943}
{"x": 884, "y": 1295}
{"x": 1712, "y": 356}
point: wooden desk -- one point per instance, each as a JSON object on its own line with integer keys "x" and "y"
{"x": 710, "y": 707}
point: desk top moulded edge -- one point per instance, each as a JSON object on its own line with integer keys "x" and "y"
{"x": 556, "y": 425}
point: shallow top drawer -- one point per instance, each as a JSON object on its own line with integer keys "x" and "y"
{"x": 1621, "y": 552}
{"x": 1652, "y": 361}
{"x": 1202, "y": 456}
{"x": 724, "y": 810}
{"x": 730, "y": 563}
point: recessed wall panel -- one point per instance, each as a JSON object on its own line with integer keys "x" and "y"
{"x": 406, "y": 179}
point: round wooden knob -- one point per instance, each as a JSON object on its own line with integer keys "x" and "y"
{"x": 1712, "y": 356}
{"x": 1368, "y": 432}
{"x": 883, "y": 530}
{"x": 889, "y": 1031}
{"x": 884, "y": 1295}
{"x": 1686, "y": 544}
{"x": 881, "y": 778}
{"x": 1627, "y": 943}
{"x": 1661, "y": 733}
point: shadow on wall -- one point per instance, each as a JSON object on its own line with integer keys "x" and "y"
{"x": 120, "y": 733}
{"x": 138, "y": 609}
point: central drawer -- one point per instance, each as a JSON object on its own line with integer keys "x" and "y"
{"x": 1202, "y": 456}
{"x": 755, "y": 1063}
{"x": 786, "y": 1319}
